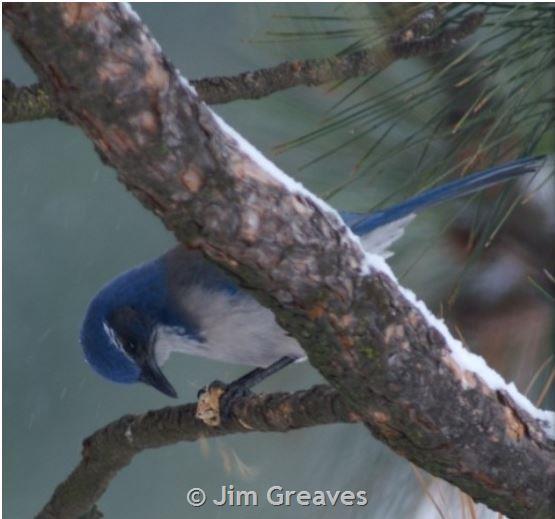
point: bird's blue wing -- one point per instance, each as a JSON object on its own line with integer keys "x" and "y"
{"x": 185, "y": 268}
{"x": 381, "y": 228}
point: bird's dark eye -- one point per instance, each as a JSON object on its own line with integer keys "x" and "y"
{"x": 131, "y": 348}
{"x": 133, "y": 329}
{"x": 138, "y": 351}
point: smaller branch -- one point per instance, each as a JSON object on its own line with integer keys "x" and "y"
{"x": 27, "y": 103}
{"x": 409, "y": 42}
{"x": 33, "y": 102}
{"x": 113, "y": 447}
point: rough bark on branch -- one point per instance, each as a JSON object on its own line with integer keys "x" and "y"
{"x": 33, "y": 102}
{"x": 112, "y": 448}
{"x": 392, "y": 368}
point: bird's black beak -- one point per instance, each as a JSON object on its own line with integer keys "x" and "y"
{"x": 152, "y": 375}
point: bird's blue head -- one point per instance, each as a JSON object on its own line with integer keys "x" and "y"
{"x": 119, "y": 331}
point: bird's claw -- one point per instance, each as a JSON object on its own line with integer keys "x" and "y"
{"x": 231, "y": 394}
{"x": 215, "y": 401}
{"x": 214, "y": 386}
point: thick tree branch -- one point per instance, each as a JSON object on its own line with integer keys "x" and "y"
{"x": 33, "y": 102}
{"x": 393, "y": 365}
{"x": 112, "y": 448}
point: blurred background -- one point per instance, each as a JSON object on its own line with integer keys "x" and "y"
{"x": 485, "y": 264}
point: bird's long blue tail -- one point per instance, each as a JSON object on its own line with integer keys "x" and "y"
{"x": 362, "y": 224}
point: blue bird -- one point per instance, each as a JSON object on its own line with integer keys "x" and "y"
{"x": 182, "y": 302}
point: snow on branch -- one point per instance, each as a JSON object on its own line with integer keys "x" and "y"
{"x": 464, "y": 359}
{"x": 393, "y": 363}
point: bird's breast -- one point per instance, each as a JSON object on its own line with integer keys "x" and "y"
{"x": 232, "y": 327}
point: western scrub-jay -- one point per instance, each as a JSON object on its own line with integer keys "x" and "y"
{"x": 183, "y": 302}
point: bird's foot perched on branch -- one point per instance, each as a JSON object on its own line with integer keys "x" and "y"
{"x": 215, "y": 401}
